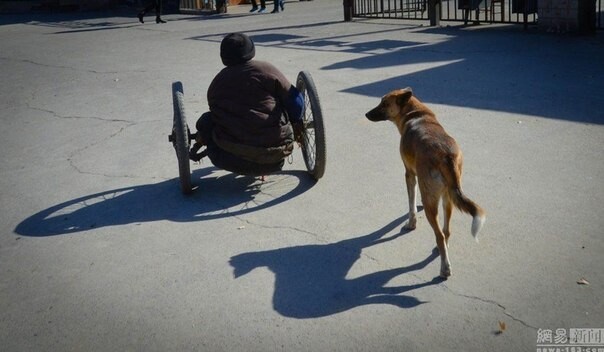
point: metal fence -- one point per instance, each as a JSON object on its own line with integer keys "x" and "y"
{"x": 405, "y": 9}
{"x": 475, "y": 11}
{"x": 195, "y": 6}
{"x": 599, "y": 17}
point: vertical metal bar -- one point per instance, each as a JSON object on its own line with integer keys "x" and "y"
{"x": 387, "y": 8}
{"x": 410, "y": 8}
{"x": 456, "y": 7}
{"x": 413, "y": 8}
{"x": 347, "y": 5}
{"x": 599, "y": 24}
{"x": 390, "y": 10}
{"x": 397, "y": 8}
{"x": 401, "y": 9}
{"x": 434, "y": 12}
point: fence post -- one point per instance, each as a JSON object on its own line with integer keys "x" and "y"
{"x": 348, "y": 10}
{"x": 434, "y": 12}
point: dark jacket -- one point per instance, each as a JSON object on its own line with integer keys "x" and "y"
{"x": 247, "y": 102}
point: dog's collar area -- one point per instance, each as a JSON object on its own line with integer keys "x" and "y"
{"x": 415, "y": 114}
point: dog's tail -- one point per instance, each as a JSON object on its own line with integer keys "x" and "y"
{"x": 462, "y": 202}
{"x": 466, "y": 205}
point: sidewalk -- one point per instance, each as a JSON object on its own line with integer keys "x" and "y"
{"x": 99, "y": 251}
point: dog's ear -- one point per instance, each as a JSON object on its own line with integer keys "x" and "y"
{"x": 404, "y": 96}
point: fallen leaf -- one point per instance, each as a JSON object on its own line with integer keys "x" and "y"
{"x": 241, "y": 228}
{"x": 582, "y": 281}
{"x": 502, "y": 326}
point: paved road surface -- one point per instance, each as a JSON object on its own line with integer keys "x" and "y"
{"x": 99, "y": 251}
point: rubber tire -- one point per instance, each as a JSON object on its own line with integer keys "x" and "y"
{"x": 314, "y": 144}
{"x": 180, "y": 138}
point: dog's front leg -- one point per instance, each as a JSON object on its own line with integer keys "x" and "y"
{"x": 411, "y": 181}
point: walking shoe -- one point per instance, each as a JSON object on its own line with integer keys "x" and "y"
{"x": 262, "y": 10}
{"x": 282, "y": 5}
{"x": 140, "y": 18}
{"x": 275, "y": 11}
{"x": 254, "y": 9}
{"x": 159, "y": 20}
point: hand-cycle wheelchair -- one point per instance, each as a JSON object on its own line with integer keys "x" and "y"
{"x": 312, "y": 141}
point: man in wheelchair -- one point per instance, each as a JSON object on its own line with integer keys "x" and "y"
{"x": 255, "y": 113}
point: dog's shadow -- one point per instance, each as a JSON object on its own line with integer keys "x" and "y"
{"x": 311, "y": 280}
{"x": 219, "y": 195}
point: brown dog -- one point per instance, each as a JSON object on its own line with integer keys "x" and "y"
{"x": 432, "y": 159}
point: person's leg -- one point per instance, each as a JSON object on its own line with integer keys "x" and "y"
{"x": 276, "y": 7}
{"x": 225, "y": 160}
{"x": 262, "y": 6}
{"x": 158, "y": 12}
{"x": 204, "y": 126}
{"x": 150, "y": 6}
{"x": 254, "y": 6}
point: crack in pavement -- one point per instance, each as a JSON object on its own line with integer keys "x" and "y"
{"x": 71, "y": 156}
{"x": 75, "y": 153}
{"x": 491, "y": 302}
{"x": 422, "y": 280}
{"x": 73, "y": 165}
{"x": 32, "y": 62}
{"x": 54, "y": 114}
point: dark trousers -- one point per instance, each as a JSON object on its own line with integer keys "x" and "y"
{"x": 227, "y": 161}
{"x": 153, "y": 4}
{"x": 262, "y": 4}
{"x": 278, "y": 3}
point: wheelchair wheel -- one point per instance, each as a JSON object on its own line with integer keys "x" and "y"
{"x": 181, "y": 137}
{"x": 313, "y": 139}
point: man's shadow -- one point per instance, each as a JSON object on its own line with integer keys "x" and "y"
{"x": 218, "y": 195}
{"x": 311, "y": 282}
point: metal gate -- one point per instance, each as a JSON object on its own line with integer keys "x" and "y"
{"x": 475, "y": 11}
{"x": 599, "y": 17}
{"x": 405, "y": 9}
{"x": 196, "y": 6}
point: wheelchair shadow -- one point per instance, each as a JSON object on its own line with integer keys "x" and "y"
{"x": 217, "y": 195}
{"x": 311, "y": 280}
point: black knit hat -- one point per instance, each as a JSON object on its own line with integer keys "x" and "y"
{"x": 236, "y": 48}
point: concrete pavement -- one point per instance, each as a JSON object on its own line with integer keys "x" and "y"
{"x": 99, "y": 251}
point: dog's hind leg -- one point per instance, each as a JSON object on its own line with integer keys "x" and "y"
{"x": 411, "y": 181}
{"x": 448, "y": 211}
{"x": 430, "y": 202}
